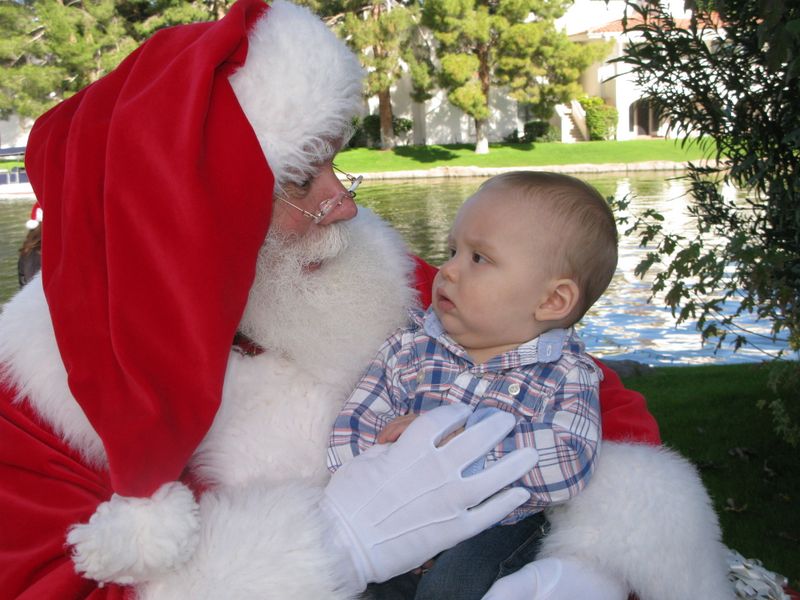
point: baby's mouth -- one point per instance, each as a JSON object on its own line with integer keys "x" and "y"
{"x": 443, "y": 302}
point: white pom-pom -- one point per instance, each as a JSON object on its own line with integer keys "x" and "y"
{"x": 130, "y": 540}
{"x": 31, "y": 224}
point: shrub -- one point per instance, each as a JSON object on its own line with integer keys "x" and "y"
{"x": 533, "y": 131}
{"x": 371, "y": 124}
{"x": 368, "y": 130}
{"x": 601, "y": 119}
{"x": 359, "y": 137}
{"x": 401, "y": 126}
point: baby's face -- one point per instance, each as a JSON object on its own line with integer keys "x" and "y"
{"x": 487, "y": 293}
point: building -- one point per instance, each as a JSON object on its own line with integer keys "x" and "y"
{"x": 438, "y": 122}
{"x": 14, "y": 131}
{"x": 592, "y": 20}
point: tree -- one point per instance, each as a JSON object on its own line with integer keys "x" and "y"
{"x": 387, "y": 37}
{"x": 379, "y": 32}
{"x": 512, "y": 43}
{"x": 51, "y": 49}
{"x": 732, "y": 76}
{"x": 148, "y": 16}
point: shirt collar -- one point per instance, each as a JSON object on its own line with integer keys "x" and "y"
{"x": 546, "y": 348}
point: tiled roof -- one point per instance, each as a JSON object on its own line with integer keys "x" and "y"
{"x": 617, "y": 27}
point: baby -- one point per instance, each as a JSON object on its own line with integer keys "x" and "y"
{"x": 530, "y": 252}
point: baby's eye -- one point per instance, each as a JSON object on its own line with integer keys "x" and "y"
{"x": 477, "y": 258}
{"x": 452, "y": 252}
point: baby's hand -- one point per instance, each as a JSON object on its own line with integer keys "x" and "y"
{"x": 424, "y": 568}
{"x": 392, "y": 431}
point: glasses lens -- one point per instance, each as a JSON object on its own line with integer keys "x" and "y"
{"x": 354, "y": 183}
{"x": 328, "y": 205}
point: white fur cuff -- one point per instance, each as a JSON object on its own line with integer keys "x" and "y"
{"x": 130, "y": 540}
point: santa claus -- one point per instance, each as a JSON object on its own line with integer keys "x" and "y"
{"x": 191, "y": 200}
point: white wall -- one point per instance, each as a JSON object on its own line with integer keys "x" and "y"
{"x": 585, "y": 14}
{"x": 436, "y": 121}
{"x": 14, "y": 132}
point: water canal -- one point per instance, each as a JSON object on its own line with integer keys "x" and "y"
{"x": 623, "y": 325}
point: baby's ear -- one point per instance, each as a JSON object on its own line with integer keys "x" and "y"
{"x": 560, "y": 301}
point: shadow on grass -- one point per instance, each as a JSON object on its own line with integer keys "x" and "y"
{"x": 431, "y": 154}
{"x": 425, "y": 154}
{"x": 524, "y": 147}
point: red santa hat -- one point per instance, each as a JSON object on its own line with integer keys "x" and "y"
{"x": 36, "y": 217}
{"x": 158, "y": 183}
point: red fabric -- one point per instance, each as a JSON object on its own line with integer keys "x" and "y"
{"x": 424, "y": 276}
{"x": 154, "y": 184}
{"x": 45, "y": 488}
{"x": 624, "y": 412}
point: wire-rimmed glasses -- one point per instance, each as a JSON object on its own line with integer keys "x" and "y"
{"x": 326, "y": 206}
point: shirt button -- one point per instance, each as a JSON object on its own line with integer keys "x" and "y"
{"x": 514, "y": 389}
{"x": 420, "y": 376}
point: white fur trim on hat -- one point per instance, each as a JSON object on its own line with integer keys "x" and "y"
{"x": 36, "y": 218}
{"x": 300, "y": 88}
{"x": 132, "y": 540}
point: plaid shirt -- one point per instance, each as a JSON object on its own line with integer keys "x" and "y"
{"x": 549, "y": 383}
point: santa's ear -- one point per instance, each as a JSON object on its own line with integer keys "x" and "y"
{"x": 560, "y": 301}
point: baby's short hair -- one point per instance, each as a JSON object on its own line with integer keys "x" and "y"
{"x": 586, "y": 250}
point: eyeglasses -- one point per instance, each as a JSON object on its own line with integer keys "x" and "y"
{"x": 326, "y": 206}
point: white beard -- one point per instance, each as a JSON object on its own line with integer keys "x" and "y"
{"x": 320, "y": 329}
{"x": 329, "y": 320}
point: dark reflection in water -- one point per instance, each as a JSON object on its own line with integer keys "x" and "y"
{"x": 13, "y": 216}
{"x": 623, "y": 324}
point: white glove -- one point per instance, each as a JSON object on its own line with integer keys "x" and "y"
{"x": 557, "y": 579}
{"x": 397, "y": 505}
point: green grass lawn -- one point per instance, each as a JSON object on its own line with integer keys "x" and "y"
{"x": 709, "y": 414}
{"x": 365, "y": 160}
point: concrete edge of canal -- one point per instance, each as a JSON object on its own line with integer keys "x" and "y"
{"x": 24, "y": 192}
{"x": 444, "y": 172}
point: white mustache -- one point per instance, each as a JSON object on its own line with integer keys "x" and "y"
{"x": 318, "y": 245}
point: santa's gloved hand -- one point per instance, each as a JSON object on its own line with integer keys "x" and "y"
{"x": 397, "y": 505}
{"x": 557, "y": 579}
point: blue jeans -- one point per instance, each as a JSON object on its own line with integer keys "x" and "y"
{"x": 467, "y": 571}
